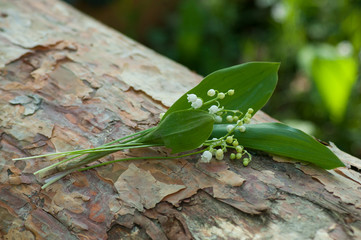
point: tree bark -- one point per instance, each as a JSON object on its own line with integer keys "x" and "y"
{"x": 68, "y": 82}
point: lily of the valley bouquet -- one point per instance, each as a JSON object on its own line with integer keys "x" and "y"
{"x": 210, "y": 120}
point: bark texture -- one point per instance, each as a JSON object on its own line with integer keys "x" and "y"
{"x": 69, "y": 82}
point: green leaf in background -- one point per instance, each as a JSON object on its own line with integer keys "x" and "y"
{"x": 334, "y": 79}
{"x": 334, "y": 75}
{"x": 280, "y": 139}
{"x": 182, "y": 130}
{"x": 253, "y": 83}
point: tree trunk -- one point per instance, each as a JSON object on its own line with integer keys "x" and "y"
{"x": 69, "y": 82}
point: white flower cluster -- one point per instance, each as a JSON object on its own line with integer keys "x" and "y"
{"x": 217, "y": 147}
{"x": 213, "y": 151}
{"x": 207, "y": 155}
{"x": 239, "y": 122}
{"x": 195, "y": 101}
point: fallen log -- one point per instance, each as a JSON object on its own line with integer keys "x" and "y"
{"x": 68, "y": 82}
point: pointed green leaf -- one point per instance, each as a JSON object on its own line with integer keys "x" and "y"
{"x": 253, "y": 83}
{"x": 182, "y": 130}
{"x": 334, "y": 79}
{"x": 334, "y": 75}
{"x": 280, "y": 139}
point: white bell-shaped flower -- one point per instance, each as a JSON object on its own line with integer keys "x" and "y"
{"x": 206, "y": 157}
{"x": 213, "y": 109}
{"x": 197, "y": 103}
{"x": 191, "y": 98}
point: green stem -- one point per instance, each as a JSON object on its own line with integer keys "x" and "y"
{"x": 137, "y": 158}
{"x": 119, "y": 147}
{"x": 55, "y": 178}
{"x": 96, "y": 153}
{"x": 92, "y": 156}
{"x": 56, "y": 164}
{"x": 83, "y": 151}
{"x": 142, "y": 133}
{"x": 108, "y": 151}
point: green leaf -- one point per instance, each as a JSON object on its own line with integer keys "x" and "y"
{"x": 182, "y": 130}
{"x": 334, "y": 75}
{"x": 280, "y": 139}
{"x": 253, "y": 83}
{"x": 334, "y": 79}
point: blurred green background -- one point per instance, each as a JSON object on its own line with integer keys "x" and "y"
{"x": 317, "y": 42}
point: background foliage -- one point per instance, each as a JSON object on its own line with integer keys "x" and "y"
{"x": 317, "y": 42}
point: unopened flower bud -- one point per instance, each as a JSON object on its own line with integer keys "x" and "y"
{"x": 221, "y": 95}
{"x": 245, "y": 162}
{"x": 239, "y": 149}
{"x": 211, "y": 92}
{"x": 241, "y": 128}
{"x": 230, "y": 92}
{"x": 229, "y": 139}
{"x": 230, "y": 128}
{"x": 229, "y": 118}
{"x": 218, "y": 119}
{"x": 247, "y": 120}
{"x": 219, "y": 154}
